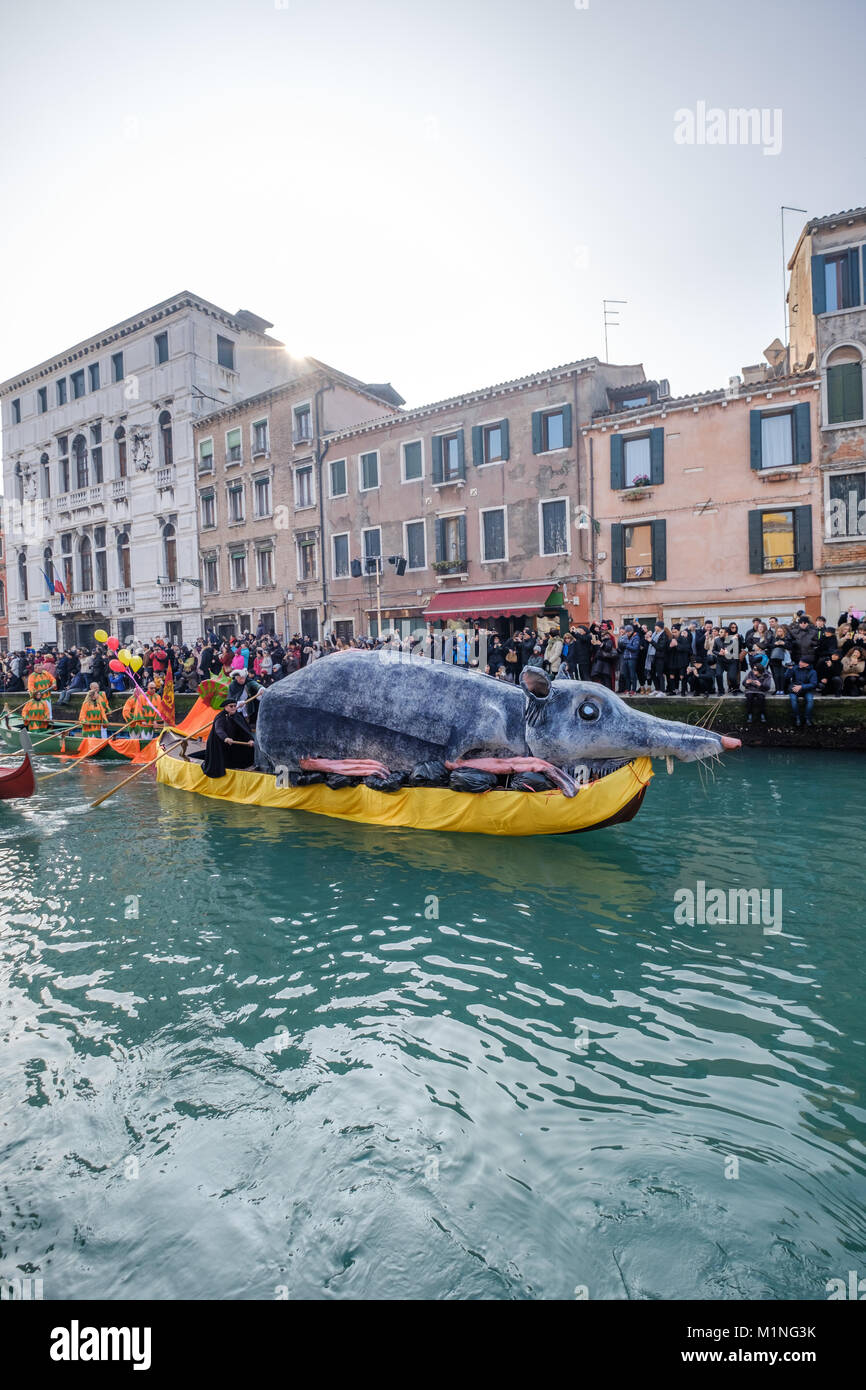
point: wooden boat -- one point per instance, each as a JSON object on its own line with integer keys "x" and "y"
{"x": 609, "y": 801}
{"x": 56, "y": 742}
{"x": 18, "y": 781}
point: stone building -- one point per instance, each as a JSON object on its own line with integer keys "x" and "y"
{"x": 260, "y": 504}
{"x": 827, "y": 308}
{"x": 99, "y": 470}
{"x": 4, "y": 591}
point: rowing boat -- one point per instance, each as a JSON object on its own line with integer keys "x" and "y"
{"x": 18, "y": 781}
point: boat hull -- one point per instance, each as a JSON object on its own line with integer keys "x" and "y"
{"x": 609, "y": 801}
{"x": 17, "y": 781}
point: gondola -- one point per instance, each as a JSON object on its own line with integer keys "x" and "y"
{"x": 18, "y": 781}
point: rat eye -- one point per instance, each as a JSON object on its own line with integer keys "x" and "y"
{"x": 588, "y": 710}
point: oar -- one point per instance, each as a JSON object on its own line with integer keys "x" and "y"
{"x": 131, "y": 778}
{"x": 81, "y": 758}
{"x": 58, "y": 733}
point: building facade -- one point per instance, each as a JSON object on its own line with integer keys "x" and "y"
{"x": 99, "y": 470}
{"x": 827, "y": 308}
{"x": 4, "y": 591}
{"x": 260, "y": 500}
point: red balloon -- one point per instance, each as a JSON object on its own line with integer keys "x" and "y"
{"x": 113, "y": 643}
{"x": 117, "y": 666}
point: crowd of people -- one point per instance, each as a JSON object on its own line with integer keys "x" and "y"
{"x": 801, "y": 659}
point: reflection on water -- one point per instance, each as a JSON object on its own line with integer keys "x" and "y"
{"x": 248, "y": 1052}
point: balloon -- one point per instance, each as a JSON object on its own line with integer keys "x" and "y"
{"x": 101, "y": 635}
{"x": 113, "y": 643}
{"x": 116, "y": 665}
{"x": 136, "y": 663}
{"x": 124, "y": 656}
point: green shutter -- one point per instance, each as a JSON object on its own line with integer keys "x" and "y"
{"x": 755, "y": 438}
{"x": 617, "y": 554}
{"x": 853, "y": 388}
{"x": 617, "y": 462}
{"x": 477, "y": 445}
{"x": 756, "y": 543}
{"x": 854, "y": 274}
{"x": 657, "y": 455}
{"x": 803, "y": 538}
{"x": 437, "y": 460}
{"x": 440, "y": 537}
{"x": 819, "y": 287}
{"x": 844, "y": 393}
{"x": 659, "y": 550}
{"x": 461, "y": 538}
{"x": 461, "y": 457}
{"x": 802, "y": 433}
{"x": 537, "y": 434}
{"x": 566, "y": 426}
{"x": 506, "y": 445}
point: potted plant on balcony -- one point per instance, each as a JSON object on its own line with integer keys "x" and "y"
{"x": 638, "y": 487}
{"x": 449, "y": 566}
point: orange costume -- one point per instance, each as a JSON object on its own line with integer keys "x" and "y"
{"x": 37, "y": 711}
{"x": 140, "y": 716}
{"x": 95, "y": 714}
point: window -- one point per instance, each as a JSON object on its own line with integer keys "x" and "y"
{"x": 236, "y": 503}
{"x": 490, "y": 443}
{"x": 79, "y": 454}
{"x": 85, "y": 558}
{"x": 19, "y": 482}
{"x": 303, "y": 429}
{"x": 551, "y": 429}
{"x": 304, "y": 493}
{"x": 166, "y": 444}
{"x": 372, "y": 548}
{"x": 96, "y": 451}
{"x": 77, "y": 380}
{"x": 636, "y": 454}
{"x": 63, "y": 463}
{"x": 48, "y": 564}
{"x": 208, "y": 511}
{"x": 638, "y": 556}
{"x": 124, "y": 567}
{"x": 2, "y": 599}
{"x": 210, "y": 574}
{"x": 340, "y": 546}
{"x": 448, "y": 461}
{"x": 160, "y": 344}
{"x": 451, "y": 542}
{"x": 780, "y": 540}
{"x": 262, "y": 497}
{"x": 637, "y": 460}
{"x": 781, "y": 438}
{"x": 117, "y": 366}
{"x": 239, "y": 569}
{"x": 310, "y": 623}
{"x": 169, "y": 552}
{"x": 844, "y": 386}
{"x": 416, "y": 545}
{"x": 226, "y": 353}
{"x": 16, "y": 411}
{"x": 265, "y": 568}
{"x": 344, "y": 628}
{"x": 260, "y": 437}
{"x": 554, "y": 527}
{"x": 493, "y": 534}
{"x": 93, "y": 375}
{"x": 66, "y": 556}
{"x": 22, "y": 576}
{"x": 205, "y": 456}
{"x": 338, "y": 478}
{"x": 369, "y": 471}
{"x": 45, "y": 470}
{"x": 837, "y": 282}
{"x": 120, "y": 451}
{"x": 307, "y": 556}
{"x": 639, "y": 552}
{"x": 233, "y": 446}
{"x": 845, "y": 505}
{"x": 42, "y": 399}
{"x": 101, "y": 565}
{"x": 413, "y": 461}
{"x": 61, "y": 391}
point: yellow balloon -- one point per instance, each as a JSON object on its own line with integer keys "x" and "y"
{"x": 124, "y": 656}
{"x": 136, "y": 663}
{"x": 101, "y": 635}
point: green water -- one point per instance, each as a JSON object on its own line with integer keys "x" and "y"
{"x": 243, "y": 1058}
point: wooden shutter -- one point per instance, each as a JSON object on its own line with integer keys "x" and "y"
{"x": 566, "y": 426}
{"x": 440, "y": 538}
{"x": 461, "y": 457}
{"x": 819, "y": 288}
{"x": 657, "y": 455}
{"x": 617, "y": 554}
{"x": 506, "y": 444}
{"x": 437, "y": 460}
{"x": 854, "y": 274}
{"x": 477, "y": 445}
{"x": 756, "y": 543}
{"x": 755, "y": 442}
{"x": 461, "y": 537}
{"x": 803, "y": 538}
{"x": 659, "y": 550}
{"x": 617, "y": 462}
{"x": 537, "y": 432}
{"x": 802, "y": 433}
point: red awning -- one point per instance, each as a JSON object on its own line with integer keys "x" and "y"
{"x": 490, "y": 603}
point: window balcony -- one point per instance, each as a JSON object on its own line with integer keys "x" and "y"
{"x": 88, "y": 601}
{"x": 78, "y": 499}
{"x": 302, "y": 435}
{"x": 120, "y": 490}
{"x": 94, "y": 495}
{"x": 169, "y": 595}
{"x": 451, "y": 569}
{"x": 165, "y": 479}
{"x": 123, "y": 600}
{"x": 63, "y": 503}
{"x": 21, "y": 612}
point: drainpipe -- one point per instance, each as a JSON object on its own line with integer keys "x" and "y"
{"x": 592, "y": 539}
{"x": 320, "y": 458}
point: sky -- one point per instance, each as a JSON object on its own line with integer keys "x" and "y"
{"x": 436, "y": 194}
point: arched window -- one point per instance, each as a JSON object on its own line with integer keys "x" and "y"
{"x": 844, "y": 385}
{"x": 22, "y": 575}
{"x": 120, "y": 450}
{"x": 85, "y": 555}
{"x": 169, "y": 550}
{"x": 166, "y": 447}
{"x": 45, "y": 469}
{"x": 124, "y": 568}
{"x": 19, "y": 482}
{"x": 48, "y": 564}
{"x": 79, "y": 454}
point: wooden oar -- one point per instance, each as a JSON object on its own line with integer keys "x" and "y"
{"x": 80, "y": 758}
{"x": 58, "y": 733}
{"x": 138, "y": 771}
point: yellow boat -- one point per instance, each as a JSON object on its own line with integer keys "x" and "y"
{"x": 608, "y": 801}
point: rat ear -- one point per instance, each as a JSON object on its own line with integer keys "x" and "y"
{"x": 536, "y": 681}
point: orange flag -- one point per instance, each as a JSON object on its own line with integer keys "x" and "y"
{"x": 166, "y": 701}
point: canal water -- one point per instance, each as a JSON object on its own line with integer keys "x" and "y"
{"x": 254, "y": 1054}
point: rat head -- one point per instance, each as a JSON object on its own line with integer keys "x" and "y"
{"x": 578, "y": 722}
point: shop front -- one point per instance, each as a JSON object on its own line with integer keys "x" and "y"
{"x": 504, "y": 610}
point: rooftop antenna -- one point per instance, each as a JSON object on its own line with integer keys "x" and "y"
{"x": 610, "y": 318}
{"x": 785, "y": 321}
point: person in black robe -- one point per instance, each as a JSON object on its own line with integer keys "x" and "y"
{"x": 229, "y": 744}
